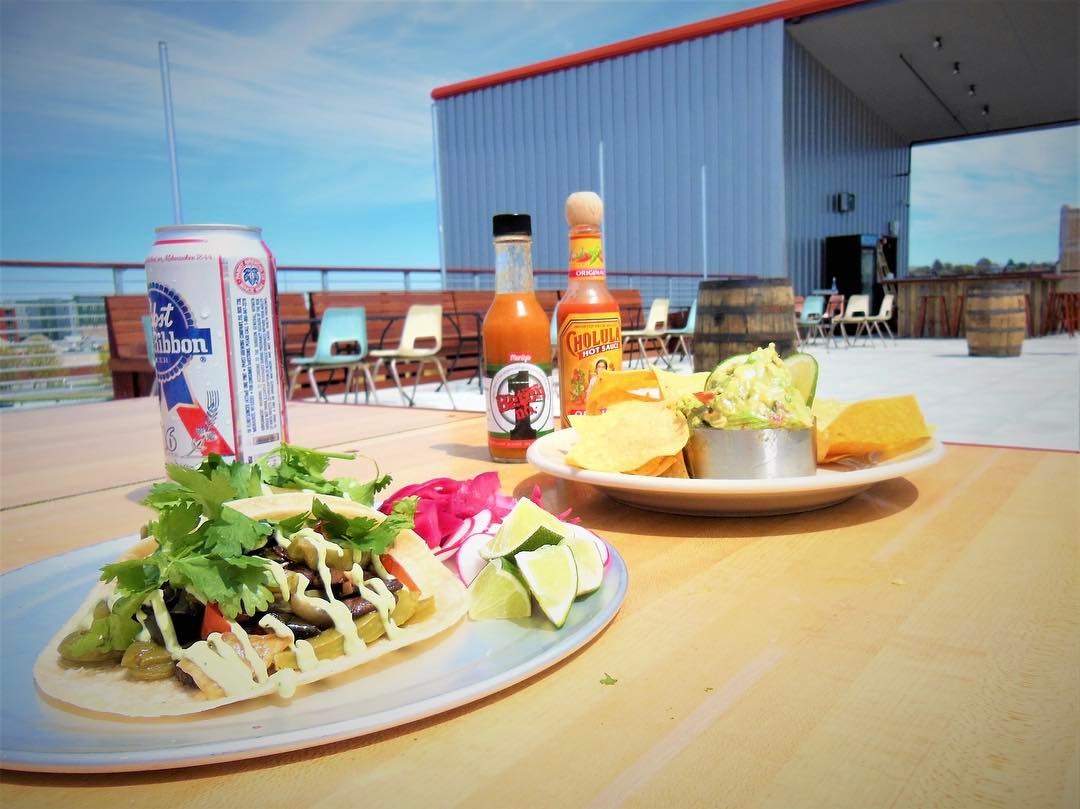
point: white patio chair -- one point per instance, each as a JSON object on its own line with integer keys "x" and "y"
{"x": 422, "y": 322}
{"x": 873, "y": 323}
{"x": 655, "y": 330}
{"x": 856, "y": 313}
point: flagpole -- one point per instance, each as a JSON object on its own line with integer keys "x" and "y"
{"x": 170, "y": 133}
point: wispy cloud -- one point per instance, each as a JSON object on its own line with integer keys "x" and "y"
{"x": 997, "y": 197}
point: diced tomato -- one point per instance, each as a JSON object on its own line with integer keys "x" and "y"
{"x": 394, "y": 568}
{"x": 213, "y": 621}
{"x": 705, "y": 397}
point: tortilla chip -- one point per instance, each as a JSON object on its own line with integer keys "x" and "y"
{"x": 678, "y": 468}
{"x": 879, "y": 427}
{"x": 673, "y": 386}
{"x": 613, "y": 387}
{"x": 108, "y": 689}
{"x": 628, "y": 436}
{"x": 654, "y": 468}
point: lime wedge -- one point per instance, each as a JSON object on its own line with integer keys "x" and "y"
{"x": 590, "y": 565}
{"x": 804, "y": 374}
{"x": 498, "y": 592}
{"x": 526, "y": 528}
{"x": 551, "y": 574}
{"x": 721, "y": 370}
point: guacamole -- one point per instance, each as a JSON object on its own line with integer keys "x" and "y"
{"x": 752, "y": 392}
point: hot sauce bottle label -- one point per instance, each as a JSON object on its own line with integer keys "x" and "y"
{"x": 519, "y": 404}
{"x": 586, "y": 257}
{"x": 588, "y": 343}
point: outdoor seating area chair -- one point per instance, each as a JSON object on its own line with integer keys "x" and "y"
{"x": 683, "y": 332}
{"x": 811, "y": 318}
{"x": 338, "y": 325}
{"x": 422, "y": 322}
{"x": 873, "y": 323}
{"x": 655, "y": 331}
{"x": 855, "y": 314}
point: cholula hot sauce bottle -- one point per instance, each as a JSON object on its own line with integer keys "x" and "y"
{"x": 589, "y": 327}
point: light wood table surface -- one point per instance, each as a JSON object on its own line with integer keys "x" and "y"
{"x": 915, "y": 646}
{"x": 59, "y": 452}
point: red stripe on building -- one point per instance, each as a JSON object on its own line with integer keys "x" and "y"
{"x": 782, "y": 10}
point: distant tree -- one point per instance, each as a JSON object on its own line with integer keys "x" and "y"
{"x": 1010, "y": 263}
{"x": 937, "y": 265}
{"x": 984, "y": 263}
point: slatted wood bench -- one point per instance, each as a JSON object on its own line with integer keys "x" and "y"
{"x": 129, "y": 362}
{"x": 129, "y": 365}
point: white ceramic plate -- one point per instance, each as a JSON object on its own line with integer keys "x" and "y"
{"x": 466, "y": 663}
{"x": 738, "y": 498}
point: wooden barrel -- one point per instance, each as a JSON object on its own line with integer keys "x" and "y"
{"x": 736, "y": 316}
{"x": 994, "y": 320}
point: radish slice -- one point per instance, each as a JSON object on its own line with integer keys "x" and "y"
{"x": 481, "y": 520}
{"x": 459, "y": 535}
{"x": 585, "y": 533}
{"x": 469, "y": 561}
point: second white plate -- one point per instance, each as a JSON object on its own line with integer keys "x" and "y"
{"x": 736, "y": 498}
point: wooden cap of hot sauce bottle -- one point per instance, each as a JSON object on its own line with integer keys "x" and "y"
{"x": 584, "y": 208}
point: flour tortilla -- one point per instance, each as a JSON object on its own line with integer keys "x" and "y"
{"x": 107, "y": 688}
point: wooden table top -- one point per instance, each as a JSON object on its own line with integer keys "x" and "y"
{"x": 914, "y": 646}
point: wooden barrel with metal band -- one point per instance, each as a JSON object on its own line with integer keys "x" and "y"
{"x": 994, "y": 320}
{"x": 736, "y": 316}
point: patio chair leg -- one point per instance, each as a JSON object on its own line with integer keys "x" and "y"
{"x": 445, "y": 381}
{"x": 369, "y": 386}
{"x": 419, "y": 373}
{"x": 314, "y": 384}
{"x": 294, "y": 374}
{"x": 405, "y": 400}
{"x": 348, "y": 385}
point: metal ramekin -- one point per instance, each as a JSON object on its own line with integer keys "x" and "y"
{"x": 751, "y": 454}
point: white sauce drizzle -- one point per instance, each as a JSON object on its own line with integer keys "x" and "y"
{"x": 220, "y": 662}
{"x": 306, "y": 659}
{"x": 165, "y": 624}
{"x": 258, "y": 668}
{"x": 338, "y": 613}
{"x": 144, "y": 633}
{"x": 379, "y": 596}
{"x": 281, "y": 580}
{"x": 322, "y": 546}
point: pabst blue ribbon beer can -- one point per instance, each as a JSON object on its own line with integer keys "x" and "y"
{"x": 217, "y": 350}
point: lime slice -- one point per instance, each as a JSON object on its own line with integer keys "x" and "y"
{"x": 804, "y": 373}
{"x": 721, "y": 370}
{"x": 590, "y": 565}
{"x": 526, "y": 528}
{"x": 551, "y": 574}
{"x": 498, "y": 592}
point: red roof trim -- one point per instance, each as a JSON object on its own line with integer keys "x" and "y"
{"x": 781, "y": 10}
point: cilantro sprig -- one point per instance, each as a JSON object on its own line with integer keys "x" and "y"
{"x": 209, "y": 560}
{"x": 292, "y": 467}
{"x": 205, "y": 547}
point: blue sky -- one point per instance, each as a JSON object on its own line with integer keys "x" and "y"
{"x": 313, "y": 120}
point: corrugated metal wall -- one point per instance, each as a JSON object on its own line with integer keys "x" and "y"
{"x": 654, "y": 119}
{"x": 833, "y": 143}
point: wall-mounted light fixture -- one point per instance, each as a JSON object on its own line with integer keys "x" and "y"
{"x": 955, "y": 68}
{"x": 985, "y": 110}
{"x": 971, "y": 89}
{"x": 937, "y": 43}
{"x": 844, "y": 202}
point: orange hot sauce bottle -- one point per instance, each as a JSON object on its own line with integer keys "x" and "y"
{"x": 517, "y": 348}
{"x": 588, "y": 324}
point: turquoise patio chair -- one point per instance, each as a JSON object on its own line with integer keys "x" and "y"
{"x": 683, "y": 332}
{"x": 338, "y": 325}
{"x": 810, "y": 319}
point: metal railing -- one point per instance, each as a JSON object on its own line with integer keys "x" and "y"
{"x": 62, "y": 304}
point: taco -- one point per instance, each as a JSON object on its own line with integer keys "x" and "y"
{"x": 272, "y": 593}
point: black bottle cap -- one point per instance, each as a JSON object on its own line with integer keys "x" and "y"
{"x": 511, "y": 224}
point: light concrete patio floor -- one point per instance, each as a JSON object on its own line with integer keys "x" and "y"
{"x": 1029, "y": 401}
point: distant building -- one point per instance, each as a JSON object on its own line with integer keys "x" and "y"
{"x": 737, "y": 145}
{"x": 1069, "y": 240}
